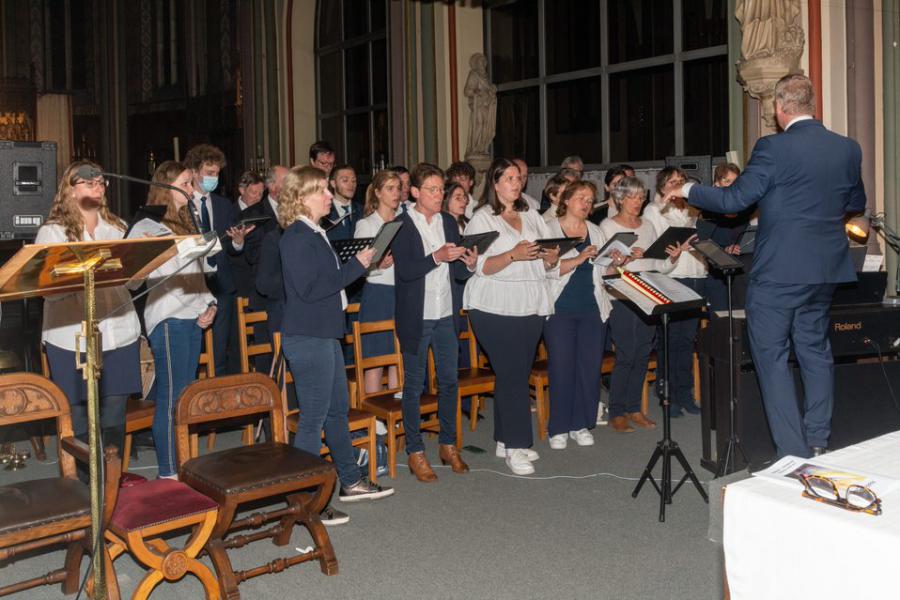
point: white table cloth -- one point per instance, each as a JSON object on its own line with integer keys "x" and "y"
{"x": 781, "y": 545}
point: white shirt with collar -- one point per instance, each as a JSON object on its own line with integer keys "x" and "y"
{"x": 438, "y": 298}
{"x": 273, "y": 203}
{"x": 63, "y": 312}
{"x": 184, "y": 295}
{"x": 519, "y": 289}
{"x": 241, "y": 204}
{"x": 342, "y": 208}
{"x": 531, "y": 201}
{"x": 366, "y": 228}
{"x": 337, "y": 261}
{"x": 646, "y": 236}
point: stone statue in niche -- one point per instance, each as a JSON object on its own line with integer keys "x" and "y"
{"x": 482, "y": 98}
{"x": 771, "y": 46}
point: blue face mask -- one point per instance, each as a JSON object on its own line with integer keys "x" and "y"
{"x": 209, "y": 183}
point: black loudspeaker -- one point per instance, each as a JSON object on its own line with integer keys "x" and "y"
{"x": 697, "y": 167}
{"x": 863, "y": 408}
{"x": 27, "y": 187}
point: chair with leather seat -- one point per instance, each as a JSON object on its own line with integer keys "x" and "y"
{"x": 47, "y": 513}
{"x": 269, "y": 472}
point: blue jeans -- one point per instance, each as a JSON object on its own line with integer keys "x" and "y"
{"x": 441, "y": 336}
{"x": 317, "y": 365}
{"x": 176, "y": 350}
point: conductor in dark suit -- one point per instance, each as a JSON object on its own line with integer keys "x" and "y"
{"x": 428, "y": 264}
{"x": 805, "y": 180}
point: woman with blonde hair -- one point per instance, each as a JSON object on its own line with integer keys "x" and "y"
{"x": 80, "y": 214}
{"x": 314, "y": 323}
{"x": 377, "y": 303}
{"x": 177, "y": 310}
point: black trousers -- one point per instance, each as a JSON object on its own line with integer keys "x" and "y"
{"x": 510, "y": 344}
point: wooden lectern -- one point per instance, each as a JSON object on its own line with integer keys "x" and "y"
{"x": 46, "y": 269}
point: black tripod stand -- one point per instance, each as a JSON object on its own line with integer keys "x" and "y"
{"x": 728, "y": 265}
{"x": 667, "y": 448}
{"x": 734, "y": 442}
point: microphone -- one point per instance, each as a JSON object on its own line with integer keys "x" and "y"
{"x": 88, "y": 173}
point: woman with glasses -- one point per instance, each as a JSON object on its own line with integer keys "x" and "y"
{"x": 508, "y": 299}
{"x": 177, "y": 310}
{"x": 80, "y": 214}
{"x": 690, "y": 270}
{"x": 632, "y": 332}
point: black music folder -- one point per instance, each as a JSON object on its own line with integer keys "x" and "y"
{"x": 347, "y": 249}
{"x": 670, "y": 237}
{"x": 480, "y": 241}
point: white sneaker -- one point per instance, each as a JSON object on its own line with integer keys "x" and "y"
{"x": 558, "y": 441}
{"x": 518, "y": 463}
{"x": 582, "y": 437}
{"x": 529, "y": 453}
{"x": 602, "y": 414}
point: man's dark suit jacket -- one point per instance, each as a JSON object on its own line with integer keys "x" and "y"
{"x": 805, "y": 180}
{"x": 411, "y": 265}
{"x": 246, "y": 264}
{"x": 343, "y": 231}
{"x": 223, "y": 217}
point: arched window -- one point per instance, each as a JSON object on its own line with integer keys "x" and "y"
{"x": 352, "y": 80}
{"x": 610, "y": 80}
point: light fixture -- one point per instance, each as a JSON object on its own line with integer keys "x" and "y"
{"x": 858, "y": 229}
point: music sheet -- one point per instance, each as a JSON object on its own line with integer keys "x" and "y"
{"x": 671, "y": 288}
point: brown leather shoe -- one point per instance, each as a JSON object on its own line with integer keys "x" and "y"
{"x": 640, "y": 420}
{"x": 418, "y": 466}
{"x": 450, "y": 456}
{"x": 620, "y": 424}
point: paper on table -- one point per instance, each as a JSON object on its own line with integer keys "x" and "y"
{"x": 788, "y": 470}
{"x": 873, "y": 263}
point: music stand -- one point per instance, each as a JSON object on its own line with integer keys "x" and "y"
{"x": 728, "y": 265}
{"x": 45, "y": 269}
{"x": 666, "y": 296}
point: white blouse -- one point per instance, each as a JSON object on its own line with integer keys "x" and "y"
{"x": 646, "y": 236}
{"x": 63, "y": 313}
{"x": 366, "y": 228}
{"x": 600, "y": 293}
{"x": 519, "y": 289}
{"x": 663, "y": 216}
{"x": 184, "y": 295}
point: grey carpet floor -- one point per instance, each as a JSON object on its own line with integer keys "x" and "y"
{"x": 572, "y": 530}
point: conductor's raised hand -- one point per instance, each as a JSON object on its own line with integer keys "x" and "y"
{"x": 365, "y": 256}
{"x": 470, "y": 257}
{"x": 525, "y": 250}
{"x": 448, "y": 253}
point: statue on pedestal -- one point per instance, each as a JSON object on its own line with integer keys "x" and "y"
{"x": 482, "y": 99}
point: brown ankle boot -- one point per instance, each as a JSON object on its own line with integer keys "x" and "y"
{"x": 418, "y": 466}
{"x": 450, "y": 456}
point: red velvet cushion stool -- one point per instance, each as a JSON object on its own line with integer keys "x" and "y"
{"x": 144, "y": 512}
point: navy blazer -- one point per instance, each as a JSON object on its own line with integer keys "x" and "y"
{"x": 223, "y": 217}
{"x": 312, "y": 284}
{"x": 343, "y": 231}
{"x": 805, "y": 180}
{"x": 245, "y": 266}
{"x": 411, "y": 265}
{"x": 269, "y": 280}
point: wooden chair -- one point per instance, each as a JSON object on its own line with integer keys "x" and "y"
{"x": 246, "y": 321}
{"x": 473, "y": 382}
{"x": 268, "y": 472}
{"x": 539, "y": 380}
{"x": 384, "y": 404}
{"x": 43, "y": 513}
{"x": 353, "y": 384}
{"x": 150, "y": 511}
{"x": 358, "y": 420}
{"x": 206, "y": 369}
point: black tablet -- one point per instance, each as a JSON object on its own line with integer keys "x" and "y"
{"x": 670, "y": 237}
{"x": 716, "y": 255}
{"x": 480, "y": 241}
{"x": 383, "y": 239}
{"x": 246, "y": 222}
{"x": 564, "y": 243}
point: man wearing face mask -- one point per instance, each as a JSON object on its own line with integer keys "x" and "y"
{"x": 215, "y": 213}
